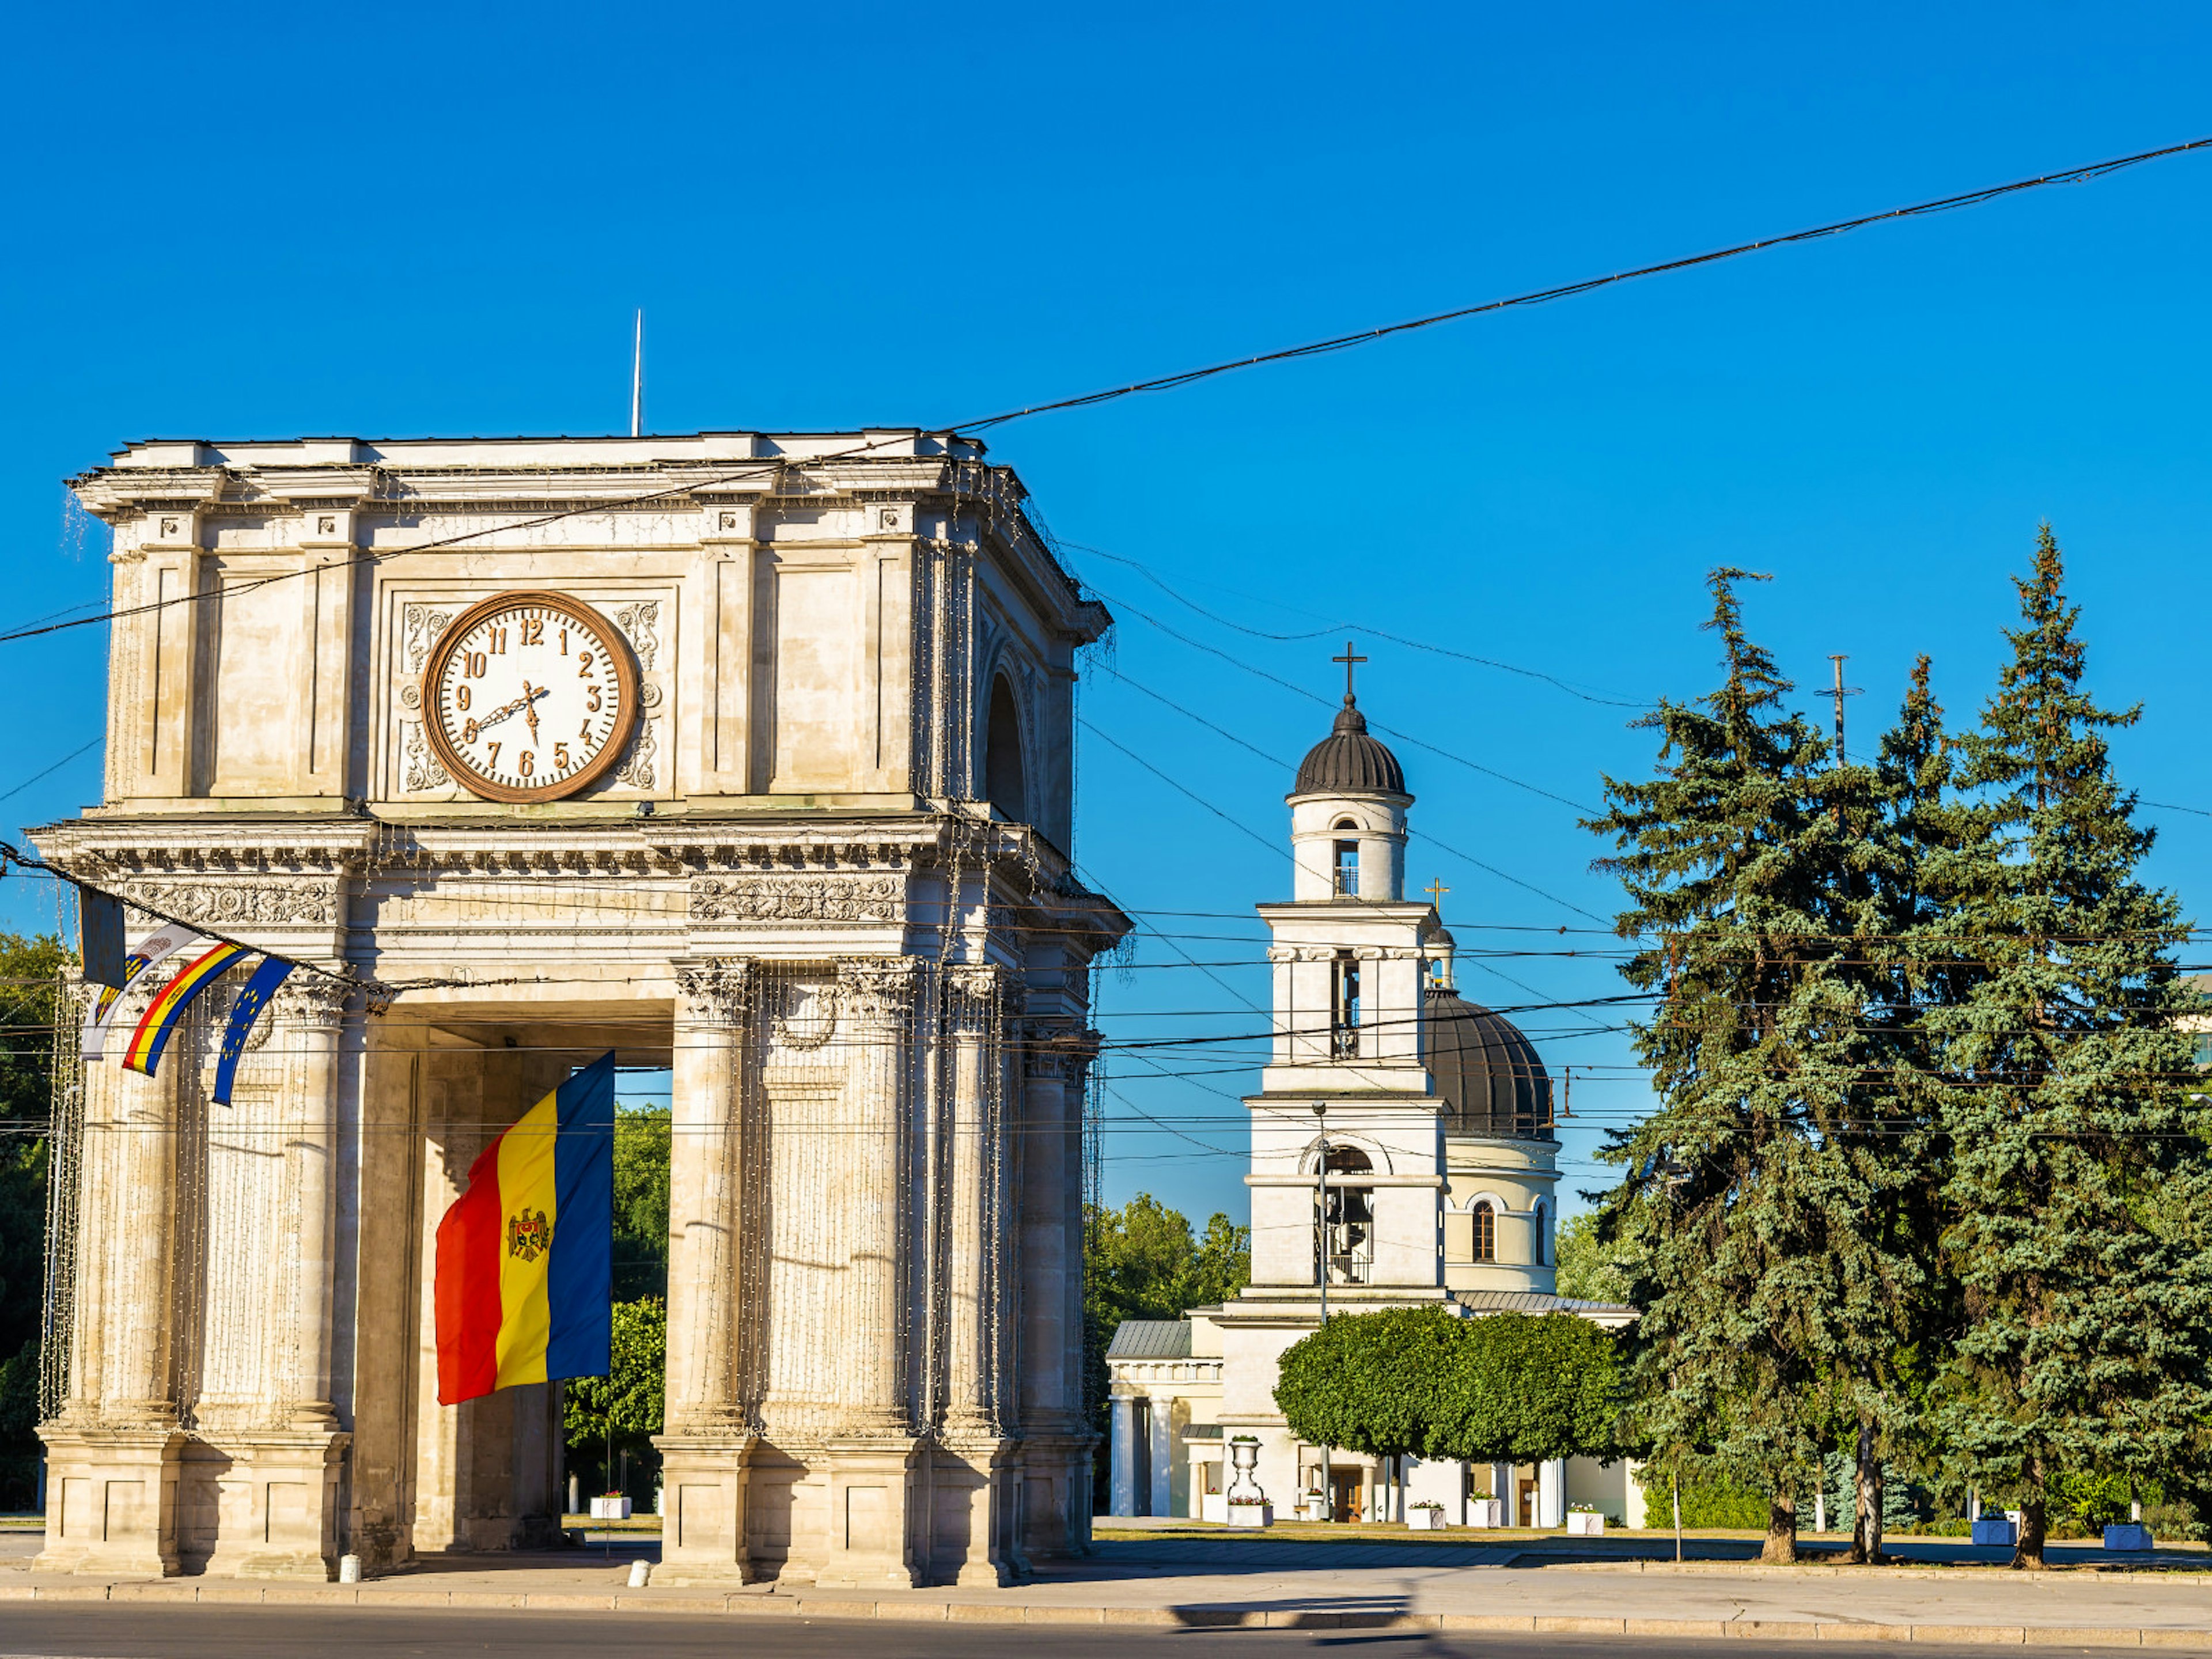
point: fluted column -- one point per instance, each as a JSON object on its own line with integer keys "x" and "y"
{"x": 876, "y": 999}
{"x": 309, "y": 1018}
{"x": 970, "y": 1265}
{"x": 707, "y": 1450}
{"x": 713, "y": 998}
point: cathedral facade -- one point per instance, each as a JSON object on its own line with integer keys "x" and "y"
{"x": 746, "y": 756}
{"x": 1403, "y": 1153}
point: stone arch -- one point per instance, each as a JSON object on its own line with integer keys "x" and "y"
{"x": 1006, "y": 775}
{"x": 1378, "y": 1155}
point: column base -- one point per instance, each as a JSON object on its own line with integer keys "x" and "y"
{"x": 276, "y": 1503}
{"x": 112, "y": 1500}
{"x": 976, "y": 1483}
{"x": 1056, "y": 1495}
{"x": 703, "y": 1533}
{"x": 869, "y": 1540}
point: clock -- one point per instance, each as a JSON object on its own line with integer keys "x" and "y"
{"x": 529, "y": 697}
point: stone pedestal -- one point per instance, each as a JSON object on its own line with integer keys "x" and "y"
{"x": 1055, "y": 1499}
{"x": 704, "y": 1538}
{"x": 972, "y": 1498}
{"x": 870, "y": 1540}
{"x": 279, "y": 1507}
{"x": 111, "y": 1501}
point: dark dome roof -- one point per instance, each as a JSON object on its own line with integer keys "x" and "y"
{"x": 1491, "y": 1078}
{"x": 1347, "y": 761}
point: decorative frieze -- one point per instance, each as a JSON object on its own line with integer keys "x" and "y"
{"x": 798, "y": 898}
{"x": 223, "y": 903}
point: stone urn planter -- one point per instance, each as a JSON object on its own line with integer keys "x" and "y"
{"x": 1248, "y": 1504}
{"x": 1585, "y": 1523}
{"x": 610, "y": 1509}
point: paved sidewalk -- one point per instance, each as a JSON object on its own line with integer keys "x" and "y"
{"x": 1182, "y": 1583}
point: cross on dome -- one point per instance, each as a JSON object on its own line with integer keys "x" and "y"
{"x": 1349, "y": 659}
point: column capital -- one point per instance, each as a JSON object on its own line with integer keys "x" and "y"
{"x": 309, "y": 999}
{"x": 878, "y": 989}
{"x": 714, "y": 990}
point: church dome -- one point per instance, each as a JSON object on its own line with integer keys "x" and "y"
{"x": 1348, "y": 762}
{"x": 1491, "y": 1078}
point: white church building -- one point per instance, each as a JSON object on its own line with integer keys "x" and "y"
{"x": 1403, "y": 1153}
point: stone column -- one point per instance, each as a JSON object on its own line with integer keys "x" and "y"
{"x": 1122, "y": 1500}
{"x": 1163, "y": 1455}
{"x": 870, "y": 1462}
{"x": 291, "y": 1470}
{"x": 112, "y": 1454}
{"x": 1552, "y": 1492}
{"x": 708, "y": 1444}
{"x": 1056, "y": 1441}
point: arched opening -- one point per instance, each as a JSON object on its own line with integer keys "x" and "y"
{"x": 1005, "y": 783}
{"x": 1345, "y": 873}
{"x": 1543, "y": 1235}
{"x": 1486, "y": 1230}
{"x": 1343, "y": 1007}
{"x": 1347, "y": 1241}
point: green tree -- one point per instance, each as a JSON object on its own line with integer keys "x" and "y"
{"x": 1368, "y": 1383}
{"x": 641, "y": 1161}
{"x": 621, "y": 1411}
{"x": 2078, "y": 1205}
{"x": 28, "y": 969}
{"x": 1739, "y": 1223}
{"x": 1525, "y": 1389}
{"x": 1587, "y": 1271}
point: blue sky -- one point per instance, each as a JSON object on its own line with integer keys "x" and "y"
{"x": 284, "y": 220}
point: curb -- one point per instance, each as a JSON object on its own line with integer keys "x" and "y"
{"x": 1199, "y": 1618}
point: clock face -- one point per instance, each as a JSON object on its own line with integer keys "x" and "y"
{"x": 529, "y": 697}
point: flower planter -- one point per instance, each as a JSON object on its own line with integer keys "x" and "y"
{"x": 1994, "y": 1531}
{"x": 1583, "y": 1524}
{"x": 1251, "y": 1515}
{"x": 1425, "y": 1520}
{"x": 2128, "y": 1535}
{"x": 1485, "y": 1512}
{"x": 610, "y": 1509}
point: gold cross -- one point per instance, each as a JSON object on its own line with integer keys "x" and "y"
{"x": 1435, "y": 889}
{"x": 1347, "y": 659}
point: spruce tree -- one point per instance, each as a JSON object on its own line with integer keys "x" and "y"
{"x": 2077, "y": 1201}
{"x": 1739, "y": 1219}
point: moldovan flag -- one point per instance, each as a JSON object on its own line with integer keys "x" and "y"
{"x": 525, "y": 1254}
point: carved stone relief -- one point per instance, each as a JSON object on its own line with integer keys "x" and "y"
{"x": 217, "y": 903}
{"x": 714, "y": 990}
{"x": 424, "y": 624}
{"x": 642, "y": 623}
{"x": 798, "y": 898}
{"x": 423, "y": 769}
{"x": 637, "y": 767}
{"x": 805, "y": 1014}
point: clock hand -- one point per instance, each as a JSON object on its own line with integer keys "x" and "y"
{"x": 523, "y": 702}
{"x": 530, "y": 714}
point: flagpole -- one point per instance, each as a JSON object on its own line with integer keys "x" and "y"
{"x": 637, "y": 378}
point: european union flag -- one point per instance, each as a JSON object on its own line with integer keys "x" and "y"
{"x": 267, "y": 977}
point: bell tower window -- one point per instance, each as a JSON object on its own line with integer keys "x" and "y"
{"x": 1343, "y": 1007}
{"x": 1346, "y": 869}
{"x": 1347, "y": 1242}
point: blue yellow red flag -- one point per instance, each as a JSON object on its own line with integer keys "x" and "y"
{"x": 525, "y": 1254}
{"x": 162, "y": 1015}
{"x": 272, "y": 973}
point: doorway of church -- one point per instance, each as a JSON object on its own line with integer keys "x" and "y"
{"x": 1524, "y": 1500}
{"x": 1347, "y": 1494}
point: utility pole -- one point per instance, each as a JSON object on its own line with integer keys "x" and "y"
{"x": 1840, "y": 692}
{"x": 1320, "y": 1225}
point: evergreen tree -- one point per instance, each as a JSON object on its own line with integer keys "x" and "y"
{"x": 2078, "y": 1201}
{"x": 1738, "y": 1223}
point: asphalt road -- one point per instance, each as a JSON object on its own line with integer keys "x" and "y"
{"x": 119, "y": 1632}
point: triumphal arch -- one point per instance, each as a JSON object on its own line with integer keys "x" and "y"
{"x": 744, "y": 755}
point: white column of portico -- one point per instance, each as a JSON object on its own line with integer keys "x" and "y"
{"x": 299, "y": 1539}
{"x": 872, "y": 1488}
{"x": 1123, "y": 1499}
{"x": 1552, "y": 1492}
{"x": 707, "y": 1447}
{"x": 112, "y": 1454}
{"x": 1163, "y": 1455}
